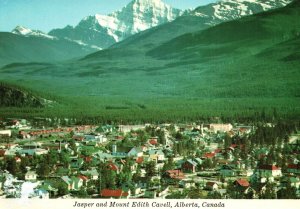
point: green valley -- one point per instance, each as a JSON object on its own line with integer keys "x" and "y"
{"x": 240, "y": 68}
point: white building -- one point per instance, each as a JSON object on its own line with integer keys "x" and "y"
{"x": 5, "y": 133}
{"x": 269, "y": 171}
{"x": 96, "y": 138}
{"x": 216, "y": 127}
{"x": 136, "y": 152}
{"x": 128, "y": 128}
{"x": 30, "y": 176}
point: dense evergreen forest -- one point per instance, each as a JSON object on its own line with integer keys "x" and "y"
{"x": 13, "y": 96}
{"x": 17, "y": 101}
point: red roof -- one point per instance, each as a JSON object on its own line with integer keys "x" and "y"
{"x": 243, "y": 129}
{"x": 88, "y": 159}
{"x": 153, "y": 141}
{"x": 17, "y": 159}
{"x": 119, "y": 137}
{"x": 243, "y": 182}
{"x": 113, "y": 193}
{"x": 209, "y": 155}
{"x": 175, "y": 174}
{"x": 269, "y": 167}
{"x": 84, "y": 178}
{"x": 139, "y": 160}
{"x": 113, "y": 167}
{"x": 233, "y": 145}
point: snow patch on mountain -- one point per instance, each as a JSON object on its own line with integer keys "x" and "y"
{"x": 21, "y": 30}
{"x": 226, "y": 10}
{"x": 137, "y": 16}
{"x": 101, "y": 31}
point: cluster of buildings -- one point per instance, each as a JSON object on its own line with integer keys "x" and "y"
{"x": 209, "y": 166}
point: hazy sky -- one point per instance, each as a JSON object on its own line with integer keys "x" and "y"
{"x": 48, "y": 14}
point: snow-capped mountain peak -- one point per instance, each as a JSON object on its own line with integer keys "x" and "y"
{"x": 136, "y": 16}
{"x": 102, "y": 31}
{"x": 21, "y": 30}
{"x": 225, "y": 10}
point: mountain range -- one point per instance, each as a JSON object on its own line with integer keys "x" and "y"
{"x": 253, "y": 57}
{"x": 38, "y": 47}
{"x": 139, "y": 15}
{"x": 101, "y": 31}
{"x": 105, "y": 30}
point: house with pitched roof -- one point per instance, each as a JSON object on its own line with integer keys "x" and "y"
{"x": 30, "y": 176}
{"x": 212, "y": 186}
{"x": 84, "y": 178}
{"x": 156, "y": 155}
{"x": 136, "y": 152}
{"x": 113, "y": 166}
{"x": 269, "y": 171}
{"x": 46, "y": 189}
{"x": 243, "y": 183}
{"x": 189, "y": 166}
{"x": 73, "y": 183}
{"x": 186, "y": 183}
{"x": 174, "y": 176}
{"x": 95, "y": 138}
{"x": 93, "y": 174}
{"x": 76, "y": 163}
{"x": 153, "y": 141}
{"x": 243, "y": 186}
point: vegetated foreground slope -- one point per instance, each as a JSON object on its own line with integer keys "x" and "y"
{"x": 252, "y": 61}
{"x": 16, "y": 97}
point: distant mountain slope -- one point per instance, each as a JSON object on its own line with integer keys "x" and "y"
{"x": 221, "y": 61}
{"x": 249, "y": 33}
{"x": 235, "y": 59}
{"x": 105, "y": 30}
{"x": 199, "y": 19}
{"x": 38, "y": 48}
{"x": 286, "y": 51}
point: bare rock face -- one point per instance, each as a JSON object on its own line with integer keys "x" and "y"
{"x": 105, "y": 30}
